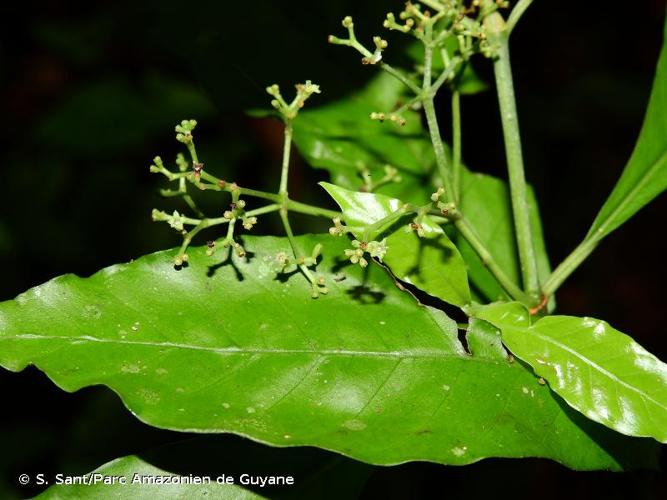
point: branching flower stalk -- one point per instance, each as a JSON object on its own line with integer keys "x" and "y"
{"x": 476, "y": 28}
{"x": 193, "y": 173}
{"x": 466, "y": 24}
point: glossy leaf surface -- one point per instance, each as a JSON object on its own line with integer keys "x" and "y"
{"x": 645, "y": 175}
{"x": 598, "y": 370}
{"x": 364, "y": 371}
{"x": 432, "y": 263}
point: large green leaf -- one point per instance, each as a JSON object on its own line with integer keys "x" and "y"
{"x": 431, "y": 263}
{"x": 144, "y": 481}
{"x": 340, "y": 138}
{"x": 364, "y": 371}
{"x": 598, "y": 370}
{"x": 485, "y": 201}
{"x": 645, "y": 175}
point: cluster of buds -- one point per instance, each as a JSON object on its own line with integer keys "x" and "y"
{"x": 289, "y": 111}
{"x": 236, "y": 246}
{"x": 228, "y": 242}
{"x": 351, "y": 41}
{"x": 182, "y": 163}
{"x": 390, "y": 175}
{"x": 456, "y": 18}
{"x": 184, "y": 131}
{"x": 391, "y": 24}
{"x": 181, "y": 259}
{"x": 282, "y": 262}
{"x": 376, "y": 249}
{"x": 448, "y": 209}
{"x": 157, "y": 167}
{"x": 380, "y": 44}
{"x": 338, "y": 229}
{"x": 237, "y": 212}
{"x": 175, "y": 220}
{"x": 417, "y": 227}
{"x": 392, "y": 117}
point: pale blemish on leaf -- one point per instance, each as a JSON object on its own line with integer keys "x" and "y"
{"x": 354, "y": 425}
{"x": 459, "y": 451}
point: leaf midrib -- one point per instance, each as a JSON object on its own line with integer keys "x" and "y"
{"x": 591, "y": 363}
{"x": 426, "y": 353}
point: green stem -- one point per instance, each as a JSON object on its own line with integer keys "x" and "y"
{"x": 230, "y": 233}
{"x": 572, "y": 262}
{"x": 432, "y": 122}
{"x": 592, "y": 239}
{"x": 378, "y": 226}
{"x": 489, "y": 262}
{"x": 446, "y": 75}
{"x": 295, "y": 249}
{"x": 303, "y": 208}
{"x": 193, "y": 152}
{"x": 287, "y": 146}
{"x": 456, "y": 145}
{"x": 508, "y": 113}
{"x": 400, "y": 77}
{"x": 187, "y": 239}
{"x": 293, "y": 206}
{"x": 461, "y": 223}
{"x": 263, "y": 210}
{"x": 516, "y": 14}
{"x": 438, "y": 147}
{"x": 354, "y": 43}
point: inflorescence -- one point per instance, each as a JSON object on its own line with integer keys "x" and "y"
{"x": 435, "y": 23}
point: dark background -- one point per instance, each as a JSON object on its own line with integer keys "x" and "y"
{"x": 91, "y": 91}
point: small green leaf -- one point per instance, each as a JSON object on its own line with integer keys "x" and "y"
{"x": 645, "y": 175}
{"x": 229, "y": 348}
{"x": 484, "y": 340}
{"x": 432, "y": 263}
{"x": 598, "y": 370}
{"x": 137, "y": 475}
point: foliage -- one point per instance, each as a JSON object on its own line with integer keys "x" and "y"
{"x": 228, "y": 337}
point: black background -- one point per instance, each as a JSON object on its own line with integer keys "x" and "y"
{"x": 91, "y": 91}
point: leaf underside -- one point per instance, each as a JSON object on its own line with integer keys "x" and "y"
{"x": 364, "y": 371}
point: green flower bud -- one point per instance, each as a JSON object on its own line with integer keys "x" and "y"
{"x": 176, "y": 221}
{"x": 377, "y": 249}
{"x": 239, "y": 250}
{"x": 249, "y": 222}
